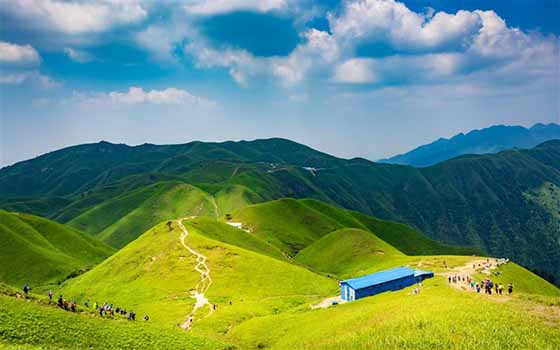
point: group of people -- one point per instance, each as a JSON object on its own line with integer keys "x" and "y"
{"x": 487, "y": 285}
{"x": 103, "y": 310}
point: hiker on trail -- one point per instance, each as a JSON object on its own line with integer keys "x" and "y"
{"x": 65, "y": 304}
{"x": 26, "y": 289}
{"x": 60, "y": 302}
{"x": 86, "y": 303}
{"x": 478, "y": 288}
{"x": 496, "y": 287}
{"x": 449, "y": 278}
{"x": 100, "y": 311}
{"x": 73, "y": 306}
{"x": 146, "y": 318}
{"x": 501, "y": 289}
{"x": 50, "y": 295}
{"x": 510, "y": 288}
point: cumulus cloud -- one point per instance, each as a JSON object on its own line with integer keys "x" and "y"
{"x": 78, "y": 55}
{"x": 137, "y": 95}
{"x": 75, "y": 17}
{"x": 356, "y": 71}
{"x": 392, "y": 22}
{"x": 18, "y": 54}
{"x": 214, "y": 7}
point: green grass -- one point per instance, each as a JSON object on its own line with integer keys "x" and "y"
{"x": 346, "y": 253}
{"x": 154, "y": 275}
{"x": 220, "y": 231}
{"x": 292, "y": 225}
{"x": 122, "y": 219}
{"x": 39, "y": 251}
{"x": 438, "y": 318}
{"x": 523, "y": 280}
{"x": 32, "y": 325}
{"x": 287, "y": 224}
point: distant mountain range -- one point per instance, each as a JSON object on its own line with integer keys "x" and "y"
{"x": 506, "y": 204}
{"x": 490, "y": 140}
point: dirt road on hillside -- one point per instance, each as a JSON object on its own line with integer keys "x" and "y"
{"x": 205, "y": 280}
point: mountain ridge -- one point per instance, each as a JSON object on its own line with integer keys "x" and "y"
{"x": 492, "y": 139}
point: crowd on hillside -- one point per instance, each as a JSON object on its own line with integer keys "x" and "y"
{"x": 486, "y": 285}
{"x": 105, "y": 310}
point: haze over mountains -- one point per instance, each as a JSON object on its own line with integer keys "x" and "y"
{"x": 504, "y": 204}
{"x": 489, "y": 140}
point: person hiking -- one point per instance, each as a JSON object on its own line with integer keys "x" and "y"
{"x": 100, "y": 311}
{"x": 146, "y": 318}
{"x": 501, "y": 289}
{"x": 73, "y": 306}
{"x": 65, "y": 304}
{"x": 50, "y": 295}
{"x": 86, "y": 303}
{"x": 510, "y": 288}
{"x": 60, "y": 302}
{"x": 449, "y": 278}
{"x": 26, "y": 289}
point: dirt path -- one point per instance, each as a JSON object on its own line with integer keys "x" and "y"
{"x": 216, "y": 212}
{"x": 205, "y": 280}
{"x": 484, "y": 266}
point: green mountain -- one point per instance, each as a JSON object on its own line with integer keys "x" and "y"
{"x": 263, "y": 295}
{"x": 505, "y": 203}
{"x": 39, "y": 251}
{"x": 489, "y": 140}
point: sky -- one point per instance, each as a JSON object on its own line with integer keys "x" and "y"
{"x": 368, "y": 78}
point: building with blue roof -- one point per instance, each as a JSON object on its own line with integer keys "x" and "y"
{"x": 379, "y": 282}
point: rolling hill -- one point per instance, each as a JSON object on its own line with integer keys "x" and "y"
{"x": 489, "y": 140}
{"x": 263, "y": 296}
{"x": 39, "y": 251}
{"x": 500, "y": 203}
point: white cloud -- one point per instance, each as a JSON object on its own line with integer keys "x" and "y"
{"x": 33, "y": 77}
{"x": 137, "y": 95}
{"x": 391, "y": 21}
{"x": 78, "y": 55}
{"x": 214, "y": 7}
{"x": 18, "y": 54}
{"x": 75, "y": 17}
{"x": 355, "y": 71}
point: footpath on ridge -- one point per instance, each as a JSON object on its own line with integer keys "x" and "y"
{"x": 205, "y": 280}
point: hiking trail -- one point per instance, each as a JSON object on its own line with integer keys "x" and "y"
{"x": 205, "y": 280}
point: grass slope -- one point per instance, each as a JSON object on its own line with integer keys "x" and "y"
{"x": 35, "y": 325}
{"x": 122, "y": 219}
{"x": 292, "y": 225}
{"x": 438, "y": 318}
{"x": 155, "y": 274}
{"x": 346, "y": 252}
{"x": 39, "y": 251}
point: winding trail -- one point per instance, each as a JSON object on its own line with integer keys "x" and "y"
{"x": 205, "y": 279}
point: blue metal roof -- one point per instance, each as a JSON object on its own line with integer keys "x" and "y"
{"x": 379, "y": 277}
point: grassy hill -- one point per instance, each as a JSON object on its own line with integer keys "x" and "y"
{"x": 494, "y": 202}
{"x": 154, "y": 275}
{"x": 293, "y": 225}
{"x": 120, "y": 220}
{"x": 39, "y": 251}
{"x": 346, "y": 252}
{"x": 263, "y": 297}
{"x": 440, "y": 317}
{"x": 34, "y": 324}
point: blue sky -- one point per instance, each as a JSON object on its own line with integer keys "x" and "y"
{"x": 368, "y": 78}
